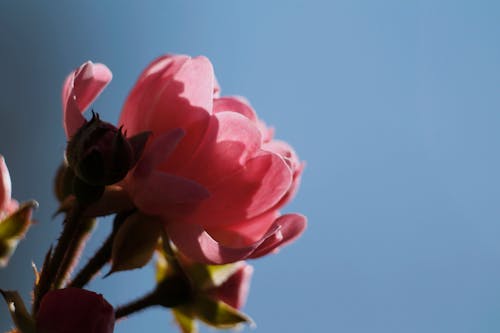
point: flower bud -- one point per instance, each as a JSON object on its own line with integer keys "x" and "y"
{"x": 74, "y": 310}
{"x": 99, "y": 153}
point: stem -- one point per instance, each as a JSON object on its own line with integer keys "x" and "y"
{"x": 100, "y": 258}
{"x": 48, "y": 275}
{"x": 172, "y": 291}
{"x": 94, "y": 265}
{"x": 85, "y": 227}
{"x": 137, "y": 305}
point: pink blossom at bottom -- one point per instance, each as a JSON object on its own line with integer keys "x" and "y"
{"x": 7, "y": 204}
{"x": 74, "y": 310}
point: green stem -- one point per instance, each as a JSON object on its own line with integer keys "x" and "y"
{"x": 174, "y": 290}
{"x": 100, "y": 258}
{"x": 85, "y": 227}
{"x": 136, "y": 305}
{"x": 48, "y": 275}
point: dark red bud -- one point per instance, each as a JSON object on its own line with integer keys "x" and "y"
{"x": 99, "y": 153}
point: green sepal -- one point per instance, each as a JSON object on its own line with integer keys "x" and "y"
{"x": 218, "y": 314}
{"x": 210, "y": 276}
{"x": 22, "y": 319}
{"x": 138, "y": 143}
{"x": 185, "y": 319}
{"x": 163, "y": 267}
{"x": 135, "y": 242}
{"x": 63, "y": 183}
{"x": 13, "y": 228}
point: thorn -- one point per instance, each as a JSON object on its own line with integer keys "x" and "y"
{"x": 111, "y": 271}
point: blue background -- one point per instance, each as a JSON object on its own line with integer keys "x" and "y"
{"x": 395, "y": 106}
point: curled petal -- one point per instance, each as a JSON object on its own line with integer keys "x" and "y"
{"x": 199, "y": 246}
{"x": 235, "y": 104}
{"x": 80, "y": 89}
{"x": 5, "y": 186}
{"x": 284, "y": 150}
{"x": 245, "y": 233}
{"x": 241, "y": 105}
{"x": 292, "y": 160}
{"x": 290, "y": 227}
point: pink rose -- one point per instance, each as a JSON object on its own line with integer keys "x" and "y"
{"x": 211, "y": 170}
{"x": 74, "y": 310}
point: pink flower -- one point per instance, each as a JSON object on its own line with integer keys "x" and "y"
{"x": 74, "y": 310}
{"x": 7, "y": 204}
{"x": 15, "y": 219}
{"x": 212, "y": 170}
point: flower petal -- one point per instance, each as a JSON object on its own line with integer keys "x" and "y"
{"x": 288, "y": 154}
{"x": 290, "y": 227}
{"x": 259, "y": 185}
{"x": 179, "y": 96}
{"x": 5, "y": 186}
{"x": 160, "y": 193}
{"x": 141, "y": 99}
{"x": 199, "y": 246}
{"x": 158, "y": 151}
{"x": 235, "y": 104}
{"x": 284, "y": 150}
{"x": 230, "y": 140}
{"x": 246, "y": 232}
{"x": 80, "y": 89}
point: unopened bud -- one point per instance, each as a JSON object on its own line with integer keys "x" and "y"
{"x": 99, "y": 153}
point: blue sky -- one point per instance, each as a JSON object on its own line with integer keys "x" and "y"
{"x": 393, "y": 104}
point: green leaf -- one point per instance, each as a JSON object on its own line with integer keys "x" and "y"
{"x": 135, "y": 242}
{"x": 218, "y": 314}
{"x": 13, "y": 228}
{"x": 22, "y": 319}
{"x": 210, "y": 276}
{"x": 16, "y": 224}
{"x": 185, "y": 320}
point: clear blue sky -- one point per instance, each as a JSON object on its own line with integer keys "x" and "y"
{"x": 395, "y": 106}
